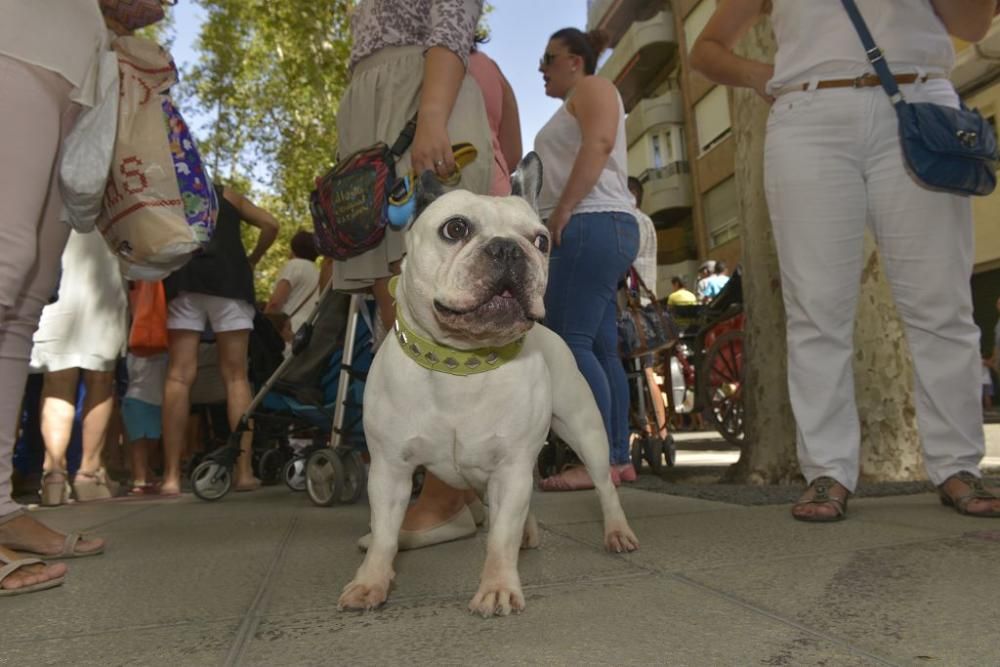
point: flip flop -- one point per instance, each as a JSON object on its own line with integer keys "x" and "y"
{"x": 460, "y": 526}
{"x": 567, "y": 480}
{"x": 12, "y": 566}
{"x": 68, "y": 551}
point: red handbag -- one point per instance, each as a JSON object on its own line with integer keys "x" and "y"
{"x": 148, "y": 335}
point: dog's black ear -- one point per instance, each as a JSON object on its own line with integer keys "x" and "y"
{"x": 526, "y": 182}
{"x": 426, "y": 189}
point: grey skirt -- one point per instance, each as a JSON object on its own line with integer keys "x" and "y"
{"x": 383, "y": 95}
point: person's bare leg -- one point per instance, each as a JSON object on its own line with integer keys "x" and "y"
{"x": 139, "y": 461}
{"x": 436, "y": 503}
{"x": 58, "y": 410}
{"x": 98, "y": 405}
{"x": 384, "y": 302}
{"x": 182, "y": 368}
{"x": 232, "y": 349}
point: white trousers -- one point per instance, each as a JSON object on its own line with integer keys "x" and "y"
{"x": 834, "y": 166}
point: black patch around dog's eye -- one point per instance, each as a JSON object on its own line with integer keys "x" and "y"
{"x": 542, "y": 243}
{"x": 455, "y": 229}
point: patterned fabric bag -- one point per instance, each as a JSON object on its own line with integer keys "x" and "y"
{"x": 159, "y": 206}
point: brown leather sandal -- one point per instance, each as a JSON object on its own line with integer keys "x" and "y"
{"x": 821, "y": 487}
{"x": 977, "y": 491}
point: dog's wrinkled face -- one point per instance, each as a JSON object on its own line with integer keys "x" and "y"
{"x": 476, "y": 269}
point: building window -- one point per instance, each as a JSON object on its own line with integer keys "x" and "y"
{"x": 657, "y": 154}
{"x": 722, "y": 212}
{"x": 695, "y": 21}
{"x": 711, "y": 116}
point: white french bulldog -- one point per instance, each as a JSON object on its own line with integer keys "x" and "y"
{"x": 473, "y": 280}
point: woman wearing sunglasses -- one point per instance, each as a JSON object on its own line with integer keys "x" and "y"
{"x": 587, "y": 206}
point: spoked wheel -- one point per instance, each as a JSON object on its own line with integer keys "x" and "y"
{"x": 270, "y": 465}
{"x": 723, "y": 385}
{"x": 355, "y": 477}
{"x": 294, "y": 473}
{"x": 211, "y": 480}
{"x": 324, "y": 477}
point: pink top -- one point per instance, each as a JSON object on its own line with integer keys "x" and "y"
{"x": 490, "y": 80}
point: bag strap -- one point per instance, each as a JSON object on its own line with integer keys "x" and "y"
{"x": 405, "y": 138}
{"x": 874, "y": 53}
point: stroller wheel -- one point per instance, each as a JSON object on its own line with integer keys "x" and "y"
{"x": 654, "y": 454}
{"x": 211, "y": 480}
{"x": 636, "y": 452}
{"x": 324, "y": 477}
{"x": 269, "y": 467}
{"x": 670, "y": 450}
{"x": 355, "y": 477}
{"x": 294, "y": 474}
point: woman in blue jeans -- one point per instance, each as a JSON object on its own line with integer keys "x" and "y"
{"x": 587, "y": 206}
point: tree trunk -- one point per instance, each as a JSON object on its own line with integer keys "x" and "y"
{"x": 882, "y": 367}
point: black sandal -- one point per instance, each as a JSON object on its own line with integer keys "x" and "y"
{"x": 977, "y": 491}
{"x": 821, "y": 487}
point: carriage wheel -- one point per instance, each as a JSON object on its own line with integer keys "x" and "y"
{"x": 722, "y": 385}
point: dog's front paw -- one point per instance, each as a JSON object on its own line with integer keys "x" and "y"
{"x": 620, "y": 539}
{"x": 363, "y": 596}
{"x": 497, "y": 599}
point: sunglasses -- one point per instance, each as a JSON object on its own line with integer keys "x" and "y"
{"x": 547, "y": 59}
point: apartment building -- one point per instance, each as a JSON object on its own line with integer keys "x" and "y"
{"x": 644, "y": 66}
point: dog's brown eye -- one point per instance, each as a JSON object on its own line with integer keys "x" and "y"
{"x": 542, "y": 243}
{"x": 455, "y": 229}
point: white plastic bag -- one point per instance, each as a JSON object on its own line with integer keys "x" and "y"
{"x": 87, "y": 151}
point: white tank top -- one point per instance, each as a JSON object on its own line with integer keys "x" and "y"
{"x": 816, "y": 39}
{"x": 557, "y": 144}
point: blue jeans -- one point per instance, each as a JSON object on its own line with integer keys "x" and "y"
{"x": 584, "y": 271}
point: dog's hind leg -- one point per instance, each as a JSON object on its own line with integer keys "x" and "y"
{"x": 389, "y": 486}
{"x": 500, "y": 585}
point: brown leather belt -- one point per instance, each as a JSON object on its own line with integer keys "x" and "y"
{"x": 863, "y": 81}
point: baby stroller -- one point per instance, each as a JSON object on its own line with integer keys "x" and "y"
{"x": 304, "y": 400}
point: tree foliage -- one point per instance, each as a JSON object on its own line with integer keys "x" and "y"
{"x": 267, "y": 83}
{"x": 268, "y": 80}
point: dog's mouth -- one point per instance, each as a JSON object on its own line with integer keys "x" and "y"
{"x": 506, "y": 303}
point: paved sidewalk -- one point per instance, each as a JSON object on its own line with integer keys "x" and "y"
{"x": 253, "y": 580}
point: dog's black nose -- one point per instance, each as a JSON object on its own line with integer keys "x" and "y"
{"x": 503, "y": 250}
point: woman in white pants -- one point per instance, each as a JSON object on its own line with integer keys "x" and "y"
{"x": 833, "y": 165}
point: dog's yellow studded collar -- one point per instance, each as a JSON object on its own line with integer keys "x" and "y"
{"x": 445, "y": 359}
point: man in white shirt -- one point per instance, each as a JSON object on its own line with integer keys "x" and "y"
{"x": 297, "y": 288}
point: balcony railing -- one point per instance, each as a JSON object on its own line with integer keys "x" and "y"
{"x": 642, "y": 55}
{"x": 667, "y": 191}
